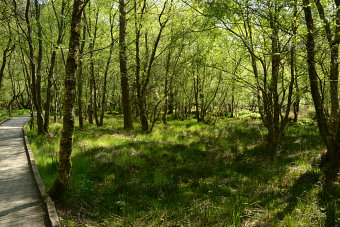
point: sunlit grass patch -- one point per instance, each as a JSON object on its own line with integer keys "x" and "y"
{"x": 4, "y": 114}
{"x": 45, "y": 149}
{"x": 189, "y": 173}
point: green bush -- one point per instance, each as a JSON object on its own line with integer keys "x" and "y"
{"x": 246, "y": 114}
{"x": 307, "y": 121}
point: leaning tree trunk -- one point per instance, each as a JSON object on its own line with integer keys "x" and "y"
{"x": 4, "y": 59}
{"x": 331, "y": 160}
{"x": 66, "y": 141}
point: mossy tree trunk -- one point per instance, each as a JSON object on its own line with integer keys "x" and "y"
{"x": 328, "y": 126}
{"x": 66, "y": 141}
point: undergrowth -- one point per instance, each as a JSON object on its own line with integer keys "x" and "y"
{"x": 189, "y": 173}
{"x": 14, "y": 113}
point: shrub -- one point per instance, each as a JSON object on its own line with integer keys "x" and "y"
{"x": 246, "y": 114}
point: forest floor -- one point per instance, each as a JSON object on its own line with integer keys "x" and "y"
{"x": 190, "y": 173}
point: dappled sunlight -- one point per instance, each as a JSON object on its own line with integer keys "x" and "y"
{"x": 218, "y": 173}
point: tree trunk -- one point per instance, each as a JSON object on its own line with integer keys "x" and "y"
{"x": 90, "y": 105}
{"x": 148, "y": 67}
{"x": 141, "y": 89}
{"x": 296, "y": 107}
{"x": 143, "y": 116}
{"x": 275, "y": 76}
{"x": 40, "y": 118}
{"x": 171, "y": 100}
{"x": 95, "y": 106}
{"x": 93, "y": 94}
{"x": 66, "y": 141}
{"x": 51, "y": 70}
{"x": 80, "y": 81}
{"x": 32, "y": 65}
{"x": 196, "y": 92}
{"x": 55, "y": 104}
{"x": 331, "y": 160}
{"x": 334, "y": 65}
{"x": 232, "y": 104}
{"x": 128, "y": 123}
{"x": 4, "y": 59}
{"x": 105, "y": 75}
{"x": 166, "y": 89}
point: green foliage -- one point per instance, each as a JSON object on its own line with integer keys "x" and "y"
{"x": 307, "y": 121}
{"x": 189, "y": 173}
{"x": 246, "y": 114}
{"x": 14, "y": 113}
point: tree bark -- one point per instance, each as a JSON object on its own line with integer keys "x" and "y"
{"x": 66, "y": 142}
{"x": 40, "y": 118}
{"x": 166, "y": 89}
{"x": 80, "y": 81}
{"x": 124, "y": 79}
{"x": 4, "y": 59}
{"x": 33, "y": 66}
{"x": 93, "y": 111}
{"x": 333, "y": 41}
{"x": 274, "y": 138}
{"x": 196, "y": 92}
{"x": 331, "y": 160}
{"x": 142, "y": 83}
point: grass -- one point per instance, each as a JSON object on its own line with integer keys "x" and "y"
{"x": 189, "y": 173}
{"x": 15, "y": 113}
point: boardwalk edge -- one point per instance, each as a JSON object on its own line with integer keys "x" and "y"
{"x": 5, "y": 120}
{"x": 52, "y": 213}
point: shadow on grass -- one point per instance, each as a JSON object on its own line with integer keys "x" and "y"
{"x": 329, "y": 199}
{"x": 210, "y": 179}
{"x": 143, "y": 175}
{"x": 300, "y": 187}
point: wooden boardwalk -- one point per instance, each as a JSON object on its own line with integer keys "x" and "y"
{"x": 20, "y": 201}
